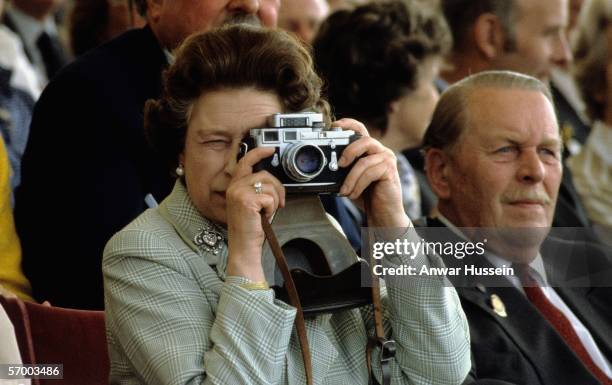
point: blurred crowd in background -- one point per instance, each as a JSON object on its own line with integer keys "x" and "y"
{"x": 73, "y": 149}
{"x": 392, "y": 86}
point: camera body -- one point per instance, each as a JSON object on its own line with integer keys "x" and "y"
{"x": 306, "y": 154}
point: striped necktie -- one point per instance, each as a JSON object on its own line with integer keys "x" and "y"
{"x": 558, "y": 321}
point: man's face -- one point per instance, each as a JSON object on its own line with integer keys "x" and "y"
{"x": 505, "y": 171}
{"x": 302, "y": 17}
{"x": 541, "y": 42}
{"x": 174, "y": 20}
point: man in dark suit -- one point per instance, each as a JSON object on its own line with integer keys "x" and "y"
{"x": 493, "y": 158}
{"x": 520, "y": 35}
{"x": 87, "y": 163}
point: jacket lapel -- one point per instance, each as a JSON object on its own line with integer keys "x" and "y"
{"x": 189, "y": 224}
{"x": 579, "y": 299}
{"x": 524, "y": 324}
{"x": 580, "y": 274}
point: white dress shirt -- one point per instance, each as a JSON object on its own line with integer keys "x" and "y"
{"x": 30, "y": 29}
{"x": 13, "y": 58}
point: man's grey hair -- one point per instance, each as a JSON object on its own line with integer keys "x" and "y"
{"x": 461, "y": 15}
{"x": 450, "y": 119}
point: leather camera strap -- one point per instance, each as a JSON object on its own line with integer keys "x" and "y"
{"x": 294, "y": 298}
{"x": 387, "y": 347}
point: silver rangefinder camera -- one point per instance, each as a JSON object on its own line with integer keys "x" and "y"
{"x": 306, "y": 156}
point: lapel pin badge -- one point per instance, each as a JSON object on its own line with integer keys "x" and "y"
{"x": 498, "y": 306}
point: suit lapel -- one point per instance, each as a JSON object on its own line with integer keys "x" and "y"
{"x": 570, "y": 269}
{"x": 538, "y": 342}
{"x": 578, "y": 300}
{"x": 524, "y": 324}
{"x": 178, "y": 209}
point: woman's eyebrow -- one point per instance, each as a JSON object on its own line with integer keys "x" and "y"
{"x": 213, "y": 132}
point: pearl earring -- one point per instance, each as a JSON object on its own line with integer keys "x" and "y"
{"x": 180, "y": 171}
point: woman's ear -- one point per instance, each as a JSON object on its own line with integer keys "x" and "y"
{"x": 437, "y": 168}
{"x": 488, "y": 36}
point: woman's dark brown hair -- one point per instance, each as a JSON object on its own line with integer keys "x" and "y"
{"x": 371, "y": 56}
{"x": 235, "y": 56}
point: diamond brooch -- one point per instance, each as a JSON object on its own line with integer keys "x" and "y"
{"x": 209, "y": 240}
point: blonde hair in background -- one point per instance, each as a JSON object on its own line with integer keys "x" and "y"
{"x": 591, "y": 47}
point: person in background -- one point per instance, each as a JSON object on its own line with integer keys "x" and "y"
{"x": 493, "y": 157}
{"x": 88, "y": 123}
{"x": 19, "y": 88}
{"x": 379, "y": 62}
{"x": 33, "y": 21}
{"x": 571, "y": 110}
{"x": 592, "y": 166}
{"x": 13, "y": 58}
{"x": 12, "y": 279}
{"x": 302, "y": 17}
{"x": 183, "y": 311}
{"x": 517, "y": 35}
{"x": 93, "y": 22}
{"x": 526, "y": 36}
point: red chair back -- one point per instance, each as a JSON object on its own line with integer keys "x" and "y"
{"x": 53, "y": 335}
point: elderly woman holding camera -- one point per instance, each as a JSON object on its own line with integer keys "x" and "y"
{"x": 186, "y": 300}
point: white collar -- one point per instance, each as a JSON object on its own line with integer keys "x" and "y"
{"x": 539, "y": 272}
{"x": 169, "y": 56}
{"x": 9, "y": 48}
{"x": 30, "y": 28}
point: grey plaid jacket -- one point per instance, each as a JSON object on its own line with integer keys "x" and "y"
{"x": 173, "y": 317}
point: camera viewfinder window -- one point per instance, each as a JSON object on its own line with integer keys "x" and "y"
{"x": 271, "y": 136}
{"x": 294, "y": 122}
{"x": 290, "y": 135}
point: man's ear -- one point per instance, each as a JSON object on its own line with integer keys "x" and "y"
{"x": 154, "y": 10}
{"x": 488, "y": 35}
{"x": 393, "y": 106}
{"x": 437, "y": 168}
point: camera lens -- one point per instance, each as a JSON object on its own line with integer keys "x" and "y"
{"x": 308, "y": 159}
{"x": 303, "y": 162}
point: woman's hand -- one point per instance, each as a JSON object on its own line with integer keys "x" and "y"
{"x": 244, "y": 208}
{"x": 374, "y": 178}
